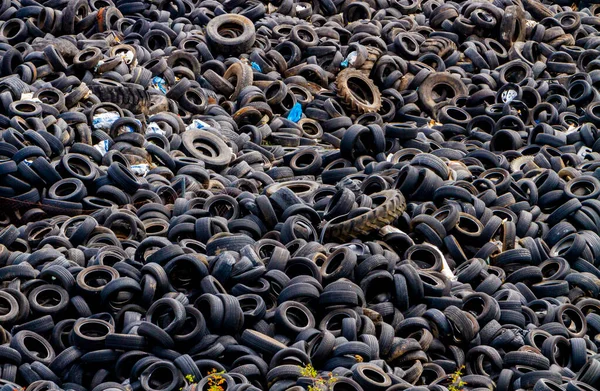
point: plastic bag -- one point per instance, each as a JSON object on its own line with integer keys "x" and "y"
{"x": 154, "y": 128}
{"x": 140, "y": 169}
{"x": 255, "y": 66}
{"x": 104, "y": 121}
{"x": 350, "y": 59}
{"x": 98, "y": 65}
{"x": 197, "y": 124}
{"x": 102, "y": 146}
{"x": 295, "y": 113}
{"x": 160, "y": 84}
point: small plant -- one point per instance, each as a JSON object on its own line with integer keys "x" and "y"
{"x": 215, "y": 380}
{"x": 309, "y": 371}
{"x": 191, "y": 379}
{"x": 319, "y": 382}
{"x": 457, "y": 382}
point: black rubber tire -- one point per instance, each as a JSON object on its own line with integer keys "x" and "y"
{"x": 242, "y": 41}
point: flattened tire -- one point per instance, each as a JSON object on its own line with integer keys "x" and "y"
{"x": 392, "y": 206}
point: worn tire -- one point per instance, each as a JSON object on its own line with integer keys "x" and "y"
{"x": 136, "y": 100}
{"x": 236, "y": 45}
{"x": 193, "y": 137}
{"x": 349, "y": 81}
{"x": 428, "y": 98}
{"x": 382, "y": 215}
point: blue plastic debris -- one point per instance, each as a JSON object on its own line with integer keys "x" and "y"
{"x": 255, "y": 66}
{"x": 160, "y": 84}
{"x": 295, "y": 113}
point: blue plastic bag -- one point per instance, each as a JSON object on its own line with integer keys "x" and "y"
{"x": 295, "y": 113}
{"x": 160, "y": 84}
{"x": 255, "y": 66}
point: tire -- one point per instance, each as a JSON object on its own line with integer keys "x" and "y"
{"x": 36, "y": 349}
{"x": 136, "y": 100}
{"x": 391, "y": 207}
{"x": 218, "y": 161}
{"x": 427, "y": 96}
{"x": 371, "y": 377}
{"x": 239, "y": 44}
{"x": 358, "y": 91}
{"x": 90, "y": 334}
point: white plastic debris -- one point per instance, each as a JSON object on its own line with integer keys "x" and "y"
{"x": 140, "y": 169}
{"x": 197, "y": 124}
{"x": 583, "y": 151}
{"x": 446, "y": 271}
{"x": 154, "y": 128}
{"x": 509, "y": 95}
{"x": 28, "y": 96}
{"x": 98, "y": 65}
{"x": 126, "y": 56}
{"x": 104, "y": 121}
{"x": 531, "y": 23}
{"x": 102, "y": 147}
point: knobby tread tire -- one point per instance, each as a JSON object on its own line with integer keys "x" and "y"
{"x": 135, "y": 100}
{"x": 350, "y": 100}
{"x": 364, "y": 224}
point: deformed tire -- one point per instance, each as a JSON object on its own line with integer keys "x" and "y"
{"x": 392, "y": 205}
{"x": 439, "y": 87}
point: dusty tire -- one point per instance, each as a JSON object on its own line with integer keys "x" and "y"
{"x": 240, "y": 76}
{"x": 358, "y": 92}
{"x": 373, "y": 55}
{"x": 392, "y": 206}
{"x": 438, "y": 45}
